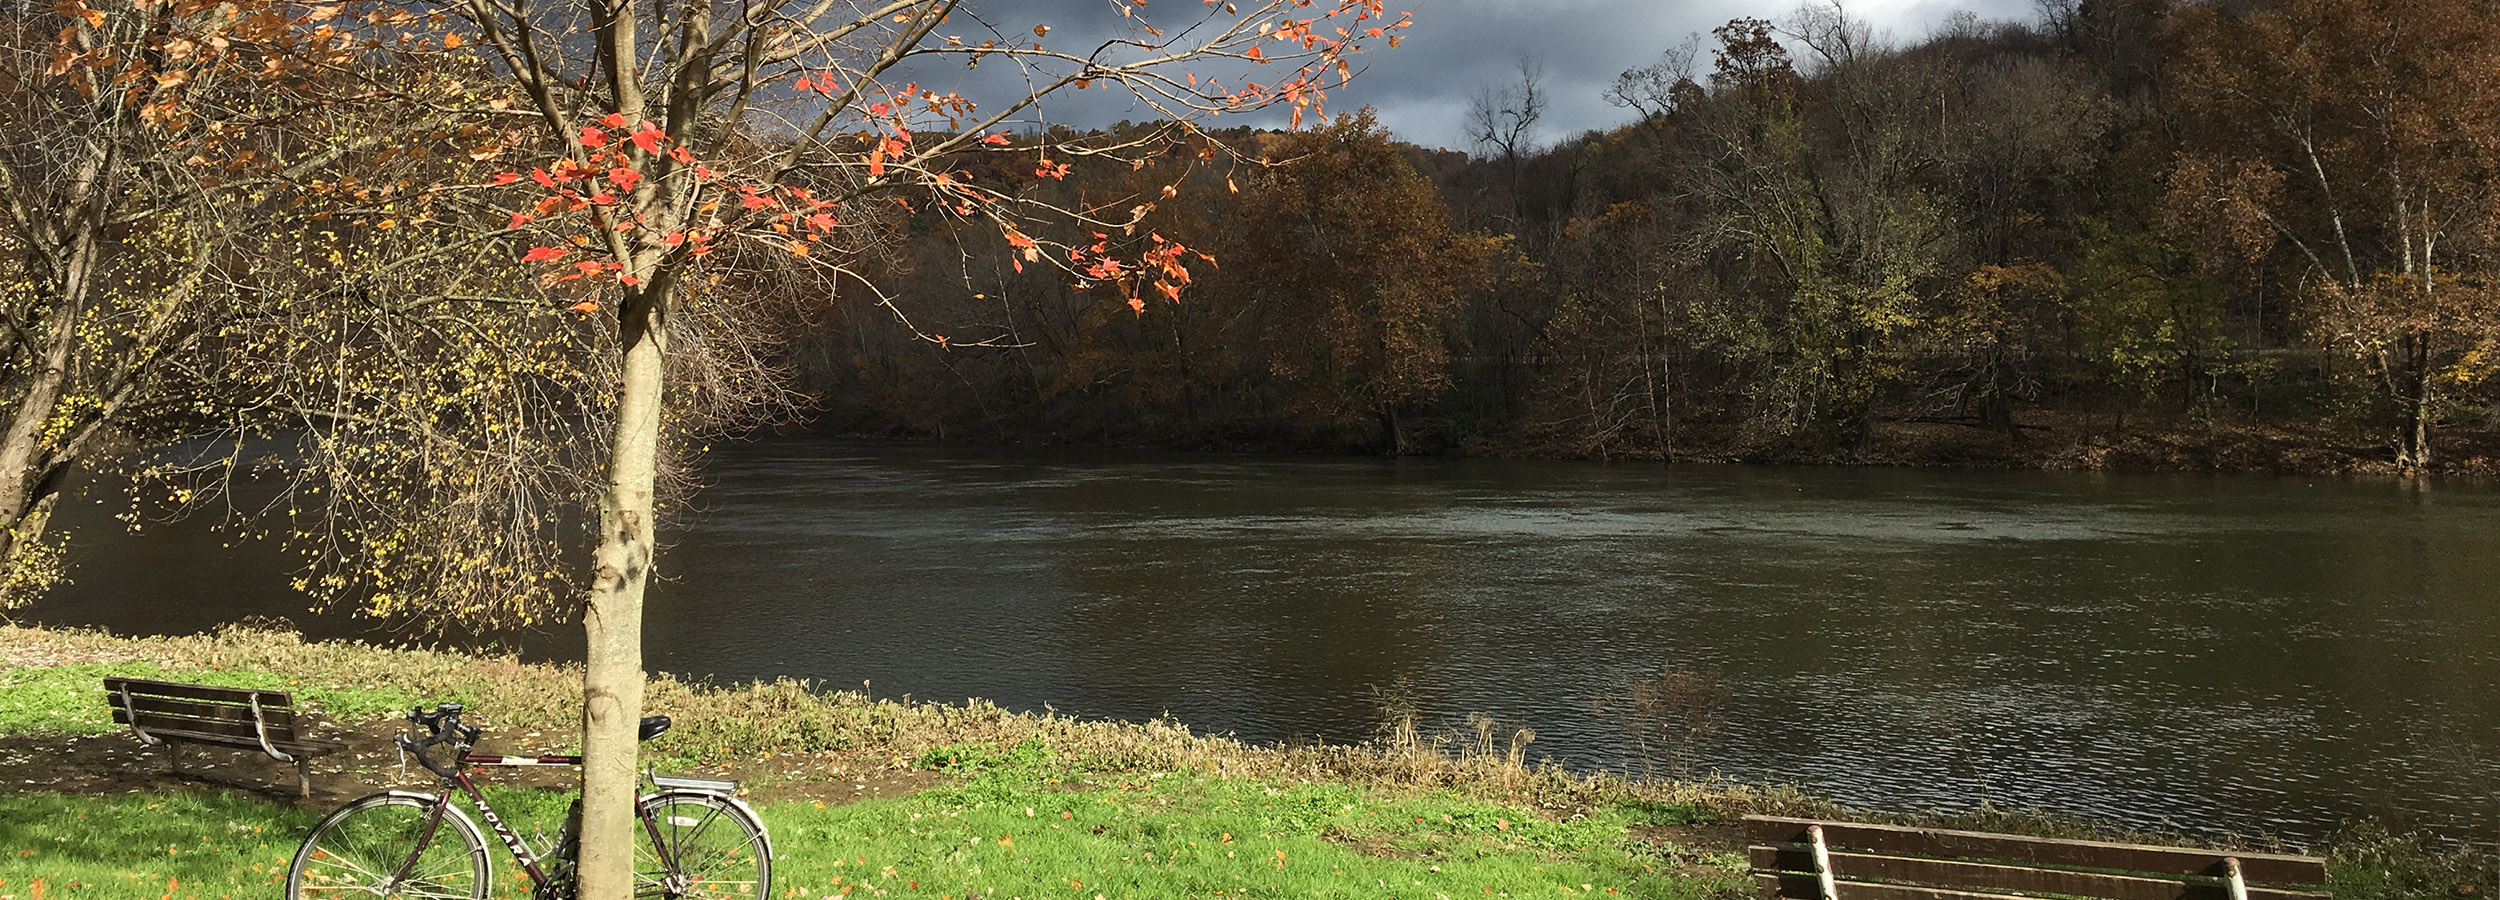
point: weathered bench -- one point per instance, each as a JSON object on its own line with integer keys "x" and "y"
{"x": 162, "y": 712}
{"x": 1808, "y": 859}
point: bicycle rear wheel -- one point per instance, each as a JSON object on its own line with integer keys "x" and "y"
{"x": 357, "y": 851}
{"x": 698, "y": 846}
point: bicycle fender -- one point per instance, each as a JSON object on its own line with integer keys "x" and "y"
{"x": 764, "y": 831}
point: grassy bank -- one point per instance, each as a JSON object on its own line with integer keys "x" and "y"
{"x": 1007, "y": 804}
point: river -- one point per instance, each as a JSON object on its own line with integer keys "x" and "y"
{"x": 2212, "y": 654}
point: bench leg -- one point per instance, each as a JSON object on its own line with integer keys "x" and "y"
{"x": 173, "y": 754}
{"x": 303, "y": 778}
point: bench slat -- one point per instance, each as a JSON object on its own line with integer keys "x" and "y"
{"x": 290, "y": 748}
{"x": 1990, "y": 877}
{"x": 1897, "y": 840}
{"x": 211, "y": 693}
{"x": 242, "y": 731}
{"x": 155, "y": 711}
{"x": 1775, "y": 886}
{"x": 1769, "y": 886}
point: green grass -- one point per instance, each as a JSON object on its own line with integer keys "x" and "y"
{"x": 1039, "y": 806}
{"x": 1010, "y": 831}
{"x": 70, "y": 699}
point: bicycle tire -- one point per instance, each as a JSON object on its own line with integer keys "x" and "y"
{"x": 353, "y": 851}
{"x": 716, "y": 849}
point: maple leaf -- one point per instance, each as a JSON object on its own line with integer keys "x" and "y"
{"x": 593, "y": 137}
{"x": 614, "y": 120}
{"x": 544, "y": 254}
{"x": 586, "y": 306}
{"x": 624, "y": 178}
{"x": 648, "y": 137}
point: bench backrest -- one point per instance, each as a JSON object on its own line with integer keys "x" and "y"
{"x": 204, "y": 710}
{"x": 1886, "y": 862}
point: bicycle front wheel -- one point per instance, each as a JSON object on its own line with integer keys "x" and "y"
{"x": 378, "y": 847}
{"x": 698, "y": 846}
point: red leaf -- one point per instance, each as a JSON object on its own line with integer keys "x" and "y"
{"x": 504, "y": 178}
{"x": 624, "y": 178}
{"x": 518, "y": 220}
{"x": 544, "y": 180}
{"x": 995, "y": 139}
{"x": 648, "y": 137}
{"x": 682, "y": 157}
{"x": 544, "y": 254}
{"x": 593, "y": 137}
{"x": 586, "y": 306}
{"x": 614, "y": 120}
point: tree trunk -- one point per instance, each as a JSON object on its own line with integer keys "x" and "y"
{"x": 2413, "y": 435}
{"x": 612, "y": 674}
{"x": 24, "y": 488}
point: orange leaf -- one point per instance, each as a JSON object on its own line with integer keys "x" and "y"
{"x": 586, "y": 306}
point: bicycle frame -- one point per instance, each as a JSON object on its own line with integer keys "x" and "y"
{"x": 461, "y": 783}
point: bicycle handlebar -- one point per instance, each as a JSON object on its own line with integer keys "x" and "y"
{"x": 444, "y": 723}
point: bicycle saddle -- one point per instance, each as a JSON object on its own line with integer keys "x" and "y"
{"x": 653, "y": 726}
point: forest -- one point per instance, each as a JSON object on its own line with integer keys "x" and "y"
{"x": 2249, "y": 235}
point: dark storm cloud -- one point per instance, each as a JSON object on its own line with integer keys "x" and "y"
{"x": 1456, "y": 47}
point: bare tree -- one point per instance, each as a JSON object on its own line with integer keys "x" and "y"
{"x": 1503, "y": 117}
{"x": 1657, "y": 89}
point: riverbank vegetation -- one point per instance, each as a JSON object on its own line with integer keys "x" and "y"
{"x": 2130, "y": 234}
{"x": 1000, "y": 803}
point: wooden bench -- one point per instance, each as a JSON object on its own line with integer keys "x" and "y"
{"x": 1808, "y": 859}
{"x": 161, "y": 712}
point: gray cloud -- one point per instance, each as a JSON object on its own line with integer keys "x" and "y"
{"x": 1421, "y": 89}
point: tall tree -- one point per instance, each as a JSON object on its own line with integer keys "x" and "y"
{"x": 656, "y": 125}
{"x": 141, "y": 144}
{"x": 1354, "y": 282}
{"x": 2357, "y": 137}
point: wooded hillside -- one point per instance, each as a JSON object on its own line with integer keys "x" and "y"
{"x": 2135, "y": 233}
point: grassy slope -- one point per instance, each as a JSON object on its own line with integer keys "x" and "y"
{"x": 1041, "y": 806}
{"x": 1020, "y": 832}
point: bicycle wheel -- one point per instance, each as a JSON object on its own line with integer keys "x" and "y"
{"x": 355, "y": 851}
{"x": 706, "y": 848}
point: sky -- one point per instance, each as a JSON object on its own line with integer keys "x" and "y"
{"x": 1457, "y": 47}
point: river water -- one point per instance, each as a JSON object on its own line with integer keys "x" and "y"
{"x": 2252, "y": 655}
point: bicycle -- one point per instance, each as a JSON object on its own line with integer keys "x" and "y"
{"x": 698, "y": 841}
